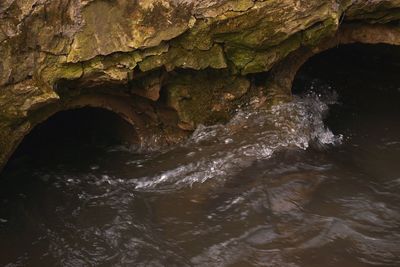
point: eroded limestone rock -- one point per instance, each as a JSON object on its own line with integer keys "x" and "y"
{"x": 186, "y": 61}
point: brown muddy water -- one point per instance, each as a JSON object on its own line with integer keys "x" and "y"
{"x": 315, "y": 182}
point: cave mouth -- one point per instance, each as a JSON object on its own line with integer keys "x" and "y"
{"x": 73, "y": 135}
{"x": 365, "y": 76}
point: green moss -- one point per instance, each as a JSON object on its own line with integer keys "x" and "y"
{"x": 240, "y": 56}
{"x": 68, "y": 71}
{"x": 152, "y": 62}
{"x": 314, "y": 35}
{"x": 242, "y": 5}
{"x": 258, "y": 28}
{"x": 116, "y": 66}
{"x": 254, "y": 61}
{"x": 177, "y": 57}
{"x": 198, "y": 37}
{"x": 264, "y": 60}
{"x": 199, "y": 104}
{"x": 374, "y": 12}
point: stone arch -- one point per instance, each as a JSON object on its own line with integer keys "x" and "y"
{"x": 130, "y": 109}
{"x": 282, "y": 75}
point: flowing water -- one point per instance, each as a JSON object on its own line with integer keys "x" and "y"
{"x": 315, "y": 182}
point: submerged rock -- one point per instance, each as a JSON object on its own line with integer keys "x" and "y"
{"x": 165, "y": 65}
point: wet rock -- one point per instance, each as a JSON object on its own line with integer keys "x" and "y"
{"x": 134, "y": 49}
{"x": 201, "y": 97}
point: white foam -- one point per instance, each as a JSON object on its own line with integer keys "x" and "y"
{"x": 218, "y": 151}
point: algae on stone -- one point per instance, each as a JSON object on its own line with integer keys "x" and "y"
{"x": 205, "y": 97}
{"x": 198, "y": 54}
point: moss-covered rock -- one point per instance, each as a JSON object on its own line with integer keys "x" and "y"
{"x": 138, "y": 50}
{"x": 205, "y": 97}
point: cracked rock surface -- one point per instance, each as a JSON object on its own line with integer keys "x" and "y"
{"x": 198, "y": 55}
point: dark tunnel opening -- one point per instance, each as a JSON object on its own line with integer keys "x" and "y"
{"x": 364, "y": 76}
{"x": 71, "y": 136}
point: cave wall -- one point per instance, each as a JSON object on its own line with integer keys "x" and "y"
{"x": 167, "y": 65}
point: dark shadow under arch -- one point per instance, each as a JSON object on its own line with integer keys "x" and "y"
{"x": 282, "y": 75}
{"x": 71, "y": 134}
{"x": 355, "y": 71}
